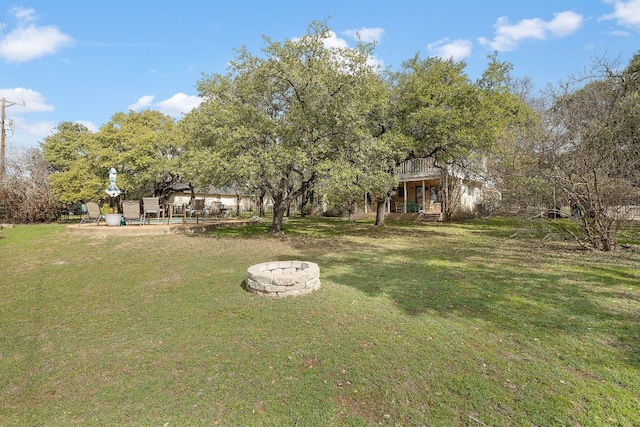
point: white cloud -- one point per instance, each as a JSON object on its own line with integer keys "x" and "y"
{"x": 334, "y": 41}
{"x": 565, "y": 23}
{"x": 620, "y": 33}
{"x": 368, "y": 35}
{"x": 29, "y": 41}
{"x": 175, "y": 106}
{"x": 20, "y": 130}
{"x": 32, "y": 100}
{"x": 625, "y": 13}
{"x": 24, "y": 14}
{"x": 22, "y": 133}
{"x": 375, "y": 62}
{"x": 27, "y": 134}
{"x": 179, "y": 104}
{"x": 457, "y": 49}
{"x": 508, "y": 36}
{"x": 90, "y": 125}
{"x": 37, "y": 129}
{"x": 142, "y": 102}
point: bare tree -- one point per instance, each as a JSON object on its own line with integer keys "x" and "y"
{"x": 25, "y": 191}
{"x": 591, "y": 155}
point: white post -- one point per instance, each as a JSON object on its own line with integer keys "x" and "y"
{"x": 404, "y": 208}
{"x": 365, "y": 202}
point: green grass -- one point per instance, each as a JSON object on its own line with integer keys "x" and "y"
{"x": 473, "y": 323}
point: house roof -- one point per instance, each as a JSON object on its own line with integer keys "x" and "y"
{"x": 181, "y": 187}
{"x": 210, "y": 190}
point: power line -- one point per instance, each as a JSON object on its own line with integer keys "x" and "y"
{"x": 6, "y": 39}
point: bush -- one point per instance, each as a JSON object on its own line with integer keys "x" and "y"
{"x": 25, "y": 193}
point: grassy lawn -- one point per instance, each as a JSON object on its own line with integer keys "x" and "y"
{"x": 475, "y": 323}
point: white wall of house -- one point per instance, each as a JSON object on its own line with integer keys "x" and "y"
{"x": 471, "y": 195}
{"x": 228, "y": 200}
{"x": 475, "y": 197}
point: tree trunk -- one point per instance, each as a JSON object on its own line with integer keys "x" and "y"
{"x": 261, "y": 203}
{"x": 381, "y": 204}
{"x": 446, "y": 204}
{"x": 280, "y": 205}
{"x": 352, "y": 211}
{"x": 307, "y": 196}
{"x": 278, "y": 216}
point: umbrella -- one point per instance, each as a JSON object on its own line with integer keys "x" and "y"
{"x": 113, "y": 190}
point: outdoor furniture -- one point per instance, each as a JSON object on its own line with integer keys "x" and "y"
{"x": 224, "y": 211}
{"x": 207, "y": 209}
{"x": 93, "y": 214}
{"x": 413, "y": 207}
{"x": 213, "y": 209}
{"x": 151, "y": 206}
{"x": 196, "y": 207}
{"x": 178, "y": 210}
{"x": 131, "y": 212}
{"x": 410, "y": 207}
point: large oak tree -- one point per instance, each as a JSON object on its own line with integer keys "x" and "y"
{"x": 442, "y": 114}
{"x": 279, "y": 121}
{"x": 141, "y": 146}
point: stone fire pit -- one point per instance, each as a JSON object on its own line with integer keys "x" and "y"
{"x": 283, "y": 278}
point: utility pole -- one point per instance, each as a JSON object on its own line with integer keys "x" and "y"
{"x": 3, "y": 133}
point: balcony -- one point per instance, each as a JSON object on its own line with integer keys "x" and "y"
{"x": 417, "y": 169}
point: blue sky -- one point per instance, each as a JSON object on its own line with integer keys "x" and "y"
{"x": 78, "y": 60}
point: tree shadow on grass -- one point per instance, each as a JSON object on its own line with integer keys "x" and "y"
{"x": 482, "y": 271}
{"x": 511, "y": 288}
{"x": 324, "y": 228}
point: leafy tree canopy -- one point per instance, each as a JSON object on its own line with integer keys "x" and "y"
{"x": 280, "y": 120}
{"x": 141, "y": 146}
{"x": 71, "y": 152}
{"x": 443, "y": 114}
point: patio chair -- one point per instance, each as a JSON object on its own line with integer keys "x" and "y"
{"x": 196, "y": 207}
{"x": 93, "y": 214}
{"x": 177, "y": 210}
{"x": 213, "y": 209}
{"x": 131, "y": 212}
{"x": 151, "y": 206}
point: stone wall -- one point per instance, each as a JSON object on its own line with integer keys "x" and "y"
{"x": 283, "y": 278}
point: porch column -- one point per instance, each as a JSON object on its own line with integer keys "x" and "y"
{"x": 404, "y": 208}
{"x": 365, "y": 202}
{"x": 424, "y": 197}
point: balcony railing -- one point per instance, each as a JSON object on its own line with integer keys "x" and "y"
{"x": 417, "y": 168}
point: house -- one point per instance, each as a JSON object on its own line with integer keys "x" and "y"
{"x": 216, "y": 199}
{"x": 422, "y": 189}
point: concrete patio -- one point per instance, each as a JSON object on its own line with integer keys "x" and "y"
{"x": 157, "y": 228}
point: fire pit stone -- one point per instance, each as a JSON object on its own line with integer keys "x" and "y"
{"x": 283, "y": 278}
